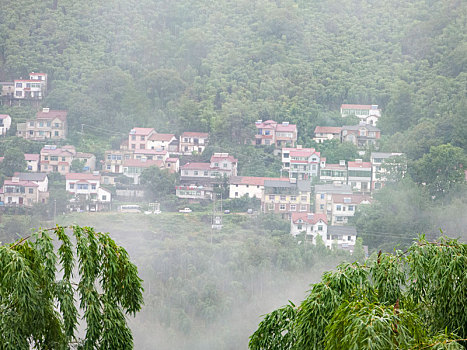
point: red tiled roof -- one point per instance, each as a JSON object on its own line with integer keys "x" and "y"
{"x": 161, "y": 137}
{"x": 56, "y": 151}
{"x": 32, "y": 73}
{"x": 202, "y": 135}
{"x": 196, "y": 166}
{"x": 359, "y": 165}
{"x": 288, "y": 127}
{"x": 220, "y": 158}
{"x": 149, "y": 151}
{"x": 171, "y": 160}
{"x": 27, "y": 80}
{"x": 348, "y": 106}
{"x": 142, "y": 164}
{"x": 52, "y": 114}
{"x": 328, "y": 130}
{"x": 82, "y": 176}
{"x": 268, "y": 124}
{"x": 31, "y": 157}
{"x": 304, "y": 152}
{"x": 252, "y": 180}
{"x": 20, "y": 183}
{"x": 311, "y": 218}
{"x": 141, "y": 131}
{"x": 334, "y": 166}
{"x": 354, "y": 198}
{"x": 4, "y": 116}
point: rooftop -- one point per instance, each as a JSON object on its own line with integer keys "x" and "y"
{"x": 301, "y": 185}
{"x": 51, "y": 114}
{"x": 350, "y": 106}
{"x": 141, "y": 131}
{"x": 31, "y": 157}
{"x": 357, "y": 164}
{"x": 328, "y": 130}
{"x": 31, "y": 176}
{"x": 161, "y": 137}
{"x": 342, "y": 230}
{"x": 254, "y": 181}
{"x": 82, "y": 176}
{"x": 310, "y": 218}
{"x": 202, "y": 135}
{"x": 351, "y": 199}
{"x": 333, "y": 189}
{"x": 196, "y": 166}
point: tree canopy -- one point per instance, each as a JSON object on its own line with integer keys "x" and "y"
{"x": 41, "y": 281}
{"x": 415, "y": 299}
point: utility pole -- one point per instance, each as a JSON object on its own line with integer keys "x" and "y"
{"x": 55, "y": 209}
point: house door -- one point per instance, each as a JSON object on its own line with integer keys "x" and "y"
{"x": 117, "y": 168}
{"x": 20, "y": 200}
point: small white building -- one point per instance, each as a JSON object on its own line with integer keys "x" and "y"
{"x": 366, "y": 113}
{"x": 342, "y": 237}
{"x": 312, "y": 224}
{"x": 33, "y": 88}
{"x": 32, "y": 161}
{"x": 359, "y": 175}
{"x": 249, "y": 185}
{"x": 88, "y": 195}
{"x": 344, "y": 206}
{"x": 5, "y": 124}
{"x": 325, "y": 133}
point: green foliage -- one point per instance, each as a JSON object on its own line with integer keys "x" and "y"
{"x": 411, "y": 300}
{"x": 441, "y": 170}
{"x": 77, "y": 166}
{"x": 158, "y": 183}
{"x": 38, "y": 309}
{"x": 13, "y": 161}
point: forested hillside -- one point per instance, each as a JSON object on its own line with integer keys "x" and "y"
{"x": 219, "y": 65}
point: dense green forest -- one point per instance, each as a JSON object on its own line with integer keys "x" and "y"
{"x": 219, "y": 65}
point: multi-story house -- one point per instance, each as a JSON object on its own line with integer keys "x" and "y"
{"x": 138, "y": 138}
{"x": 49, "y": 124}
{"x": 133, "y": 168}
{"x": 280, "y": 135}
{"x": 113, "y": 160}
{"x": 161, "y": 142}
{"x": 150, "y": 154}
{"x": 324, "y": 194}
{"x": 312, "y": 224}
{"x": 25, "y": 189}
{"x": 5, "y": 124}
{"x": 359, "y": 176}
{"x": 342, "y": 237}
{"x": 32, "y": 161}
{"x": 88, "y": 159}
{"x": 369, "y": 114}
{"x": 55, "y": 159}
{"x": 362, "y": 135}
{"x": 344, "y": 206}
{"x": 193, "y": 142}
{"x": 325, "y": 133}
{"x": 221, "y": 165}
{"x": 193, "y": 192}
{"x": 33, "y": 88}
{"x": 88, "y": 195}
{"x": 172, "y": 165}
{"x": 301, "y": 163}
{"x": 379, "y": 172}
{"x": 286, "y": 197}
{"x": 333, "y": 173}
{"x": 249, "y": 186}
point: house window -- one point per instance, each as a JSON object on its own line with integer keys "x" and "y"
{"x": 293, "y": 207}
{"x": 282, "y": 198}
{"x": 338, "y": 207}
{"x": 142, "y": 138}
{"x": 31, "y": 190}
{"x": 224, "y": 165}
{"x": 300, "y": 227}
{"x": 141, "y": 146}
{"x": 196, "y": 173}
{"x": 320, "y": 227}
{"x": 93, "y": 186}
{"x": 83, "y": 186}
{"x": 272, "y": 197}
{"x": 236, "y": 194}
{"x": 351, "y": 208}
{"x": 104, "y": 197}
{"x": 56, "y": 133}
{"x": 349, "y": 238}
{"x": 293, "y": 198}
{"x": 206, "y": 174}
{"x": 339, "y": 218}
{"x": 282, "y": 207}
{"x": 322, "y": 196}
{"x": 185, "y": 172}
{"x": 19, "y": 85}
{"x": 54, "y": 158}
{"x": 133, "y": 137}
{"x": 303, "y": 198}
{"x": 41, "y": 124}
{"x": 303, "y": 207}
{"x": 49, "y": 124}
{"x": 133, "y": 146}
{"x": 321, "y": 206}
{"x": 109, "y": 167}
{"x": 57, "y": 125}
{"x": 270, "y": 206}
{"x": 63, "y": 159}
{"x": 216, "y": 164}
{"x": 29, "y": 167}
{"x": 72, "y": 186}
{"x": 31, "y": 123}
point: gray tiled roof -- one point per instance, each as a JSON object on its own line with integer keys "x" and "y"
{"x": 31, "y": 176}
{"x": 342, "y": 230}
{"x": 331, "y": 188}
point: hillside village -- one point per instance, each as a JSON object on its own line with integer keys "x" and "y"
{"x": 317, "y": 197}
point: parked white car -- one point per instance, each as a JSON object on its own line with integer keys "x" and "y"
{"x": 185, "y": 210}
